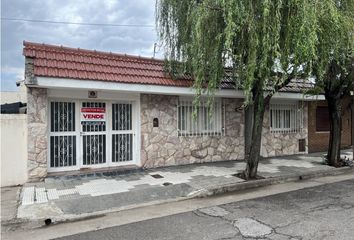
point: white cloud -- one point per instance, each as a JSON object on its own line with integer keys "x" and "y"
{"x": 18, "y": 72}
{"x": 137, "y": 41}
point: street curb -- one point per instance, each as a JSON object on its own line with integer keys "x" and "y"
{"x": 201, "y": 193}
{"x": 25, "y": 223}
{"x": 226, "y": 188}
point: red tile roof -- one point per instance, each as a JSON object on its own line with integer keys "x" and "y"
{"x": 76, "y": 63}
{"x": 64, "y": 62}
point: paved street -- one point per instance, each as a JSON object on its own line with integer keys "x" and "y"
{"x": 321, "y": 212}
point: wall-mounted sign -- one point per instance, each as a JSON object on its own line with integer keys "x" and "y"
{"x": 93, "y": 114}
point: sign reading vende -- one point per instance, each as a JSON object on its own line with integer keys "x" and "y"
{"x": 93, "y": 114}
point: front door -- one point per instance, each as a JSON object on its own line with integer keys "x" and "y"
{"x": 93, "y": 133}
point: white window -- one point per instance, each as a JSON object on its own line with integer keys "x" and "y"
{"x": 207, "y": 121}
{"x": 285, "y": 118}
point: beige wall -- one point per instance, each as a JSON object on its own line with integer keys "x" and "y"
{"x": 13, "y": 149}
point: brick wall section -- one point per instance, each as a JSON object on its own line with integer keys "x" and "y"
{"x": 318, "y": 141}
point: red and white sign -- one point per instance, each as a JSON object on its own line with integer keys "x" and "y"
{"x": 93, "y": 114}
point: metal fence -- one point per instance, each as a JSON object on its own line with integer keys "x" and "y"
{"x": 286, "y": 117}
{"x": 201, "y": 120}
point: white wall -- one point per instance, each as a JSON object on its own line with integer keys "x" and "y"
{"x": 13, "y": 149}
{"x": 16, "y": 96}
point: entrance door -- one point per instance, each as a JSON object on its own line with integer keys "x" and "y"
{"x": 93, "y": 133}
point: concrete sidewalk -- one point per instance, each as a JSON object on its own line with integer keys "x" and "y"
{"x": 63, "y": 199}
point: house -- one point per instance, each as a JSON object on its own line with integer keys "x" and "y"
{"x": 89, "y": 109}
{"x": 318, "y": 128}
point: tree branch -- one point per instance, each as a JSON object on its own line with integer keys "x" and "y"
{"x": 278, "y": 87}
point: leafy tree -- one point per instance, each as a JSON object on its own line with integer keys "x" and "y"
{"x": 263, "y": 44}
{"x": 334, "y": 64}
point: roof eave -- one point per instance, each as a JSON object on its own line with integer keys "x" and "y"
{"x": 68, "y": 83}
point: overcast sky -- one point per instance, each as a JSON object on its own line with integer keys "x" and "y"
{"x": 131, "y": 40}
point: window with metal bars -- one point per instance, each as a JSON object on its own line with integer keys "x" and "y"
{"x": 286, "y": 118}
{"x": 207, "y": 121}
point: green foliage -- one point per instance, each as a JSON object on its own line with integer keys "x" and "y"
{"x": 264, "y": 43}
{"x": 334, "y": 65}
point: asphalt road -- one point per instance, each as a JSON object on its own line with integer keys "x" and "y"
{"x": 322, "y": 212}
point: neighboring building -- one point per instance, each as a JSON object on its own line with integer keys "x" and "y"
{"x": 14, "y": 102}
{"x": 318, "y": 133}
{"x": 13, "y": 141}
{"x": 14, "y": 96}
{"x": 90, "y": 109}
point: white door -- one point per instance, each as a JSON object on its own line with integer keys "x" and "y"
{"x": 91, "y": 134}
{"x": 93, "y": 116}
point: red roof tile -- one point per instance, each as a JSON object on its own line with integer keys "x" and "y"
{"x": 64, "y": 62}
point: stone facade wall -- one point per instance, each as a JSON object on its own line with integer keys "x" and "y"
{"x": 37, "y": 112}
{"x": 161, "y": 146}
{"x": 278, "y": 144}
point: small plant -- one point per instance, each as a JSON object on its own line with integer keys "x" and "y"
{"x": 343, "y": 162}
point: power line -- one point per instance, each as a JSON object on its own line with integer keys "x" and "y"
{"x": 77, "y": 23}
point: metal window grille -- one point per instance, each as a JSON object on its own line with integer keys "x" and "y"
{"x": 122, "y": 137}
{"x": 94, "y": 149}
{"x": 62, "y": 134}
{"x": 207, "y": 122}
{"x": 286, "y": 118}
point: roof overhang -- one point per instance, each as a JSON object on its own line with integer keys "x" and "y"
{"x": 68, "y": 83}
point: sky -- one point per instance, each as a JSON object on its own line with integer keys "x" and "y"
{"x": 130, "y": 40}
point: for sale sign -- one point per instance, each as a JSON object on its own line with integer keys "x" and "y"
{"x": 93, "y": 114}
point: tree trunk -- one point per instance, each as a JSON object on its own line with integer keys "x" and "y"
{"x": 253, "y": 155}
{"x": 334, "y": 108}
{"x": 352, "y": 124}
{"x": 248, "y": 129}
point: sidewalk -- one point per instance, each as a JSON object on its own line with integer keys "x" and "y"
{"x": 63, "y": 199}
